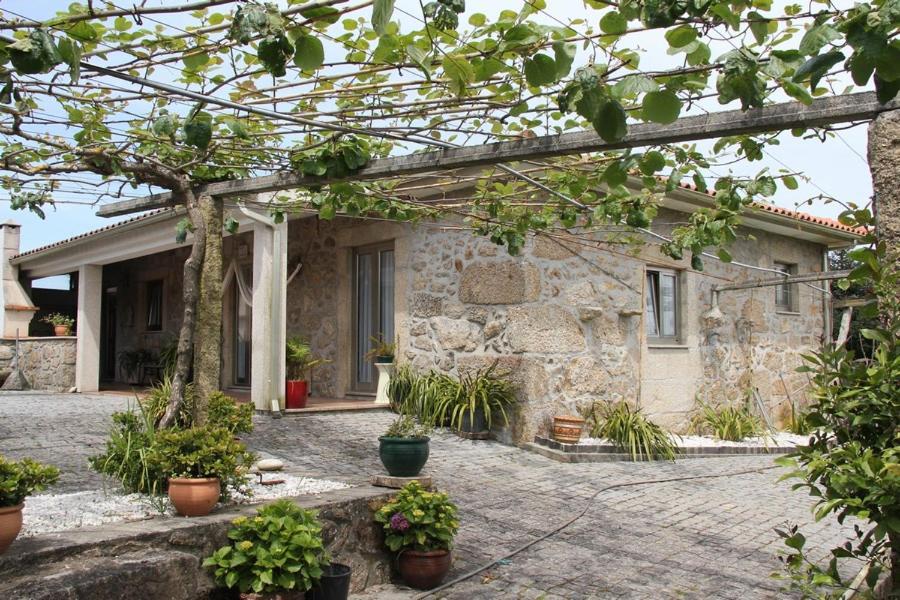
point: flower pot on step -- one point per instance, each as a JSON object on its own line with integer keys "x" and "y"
{"x": 567, "y": 429}
{"x": 62, "y": 330}
{"x": 10, "y": 525}
{"x": 333, "y": 585}
{"x": 194, "y": 497}
{"x": 403, "y": 457}
{"x": 296, "y": 393}
{"x": 424, "y": 570}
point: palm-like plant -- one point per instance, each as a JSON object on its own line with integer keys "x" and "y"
{"x": 478, "y": 392}
{"x": 300, "y": 359}
{"x": 629, "y": 430}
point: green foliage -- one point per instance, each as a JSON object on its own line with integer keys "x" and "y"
{"x": 226, "y": 412}
{"x": 280, "y": 549}
{"x": 59, "y": 320}
{"x": 156, "y": 401}
{"x": 381, "y": 347}
{"x": 727, "y": 422}
{"x": 300, "y": 359}
{"x": 482, "y": 390}
{"x": 400, "y": 387}
{"x": 852, "y": 463}
{"x": 20, "y": 479}
{"x": 201, "y": 452}
{"x": 127, "y": 455}
{"x": 426, "y": 522}
{"x": 798, "y": 423}
{"x": 334, "y": 161}
{"x": 406, "y": 426}
{"x": 629, "y": 430}
{"x": 36, "y": 53}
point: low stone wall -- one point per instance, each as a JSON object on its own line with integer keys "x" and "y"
{"x": 47, "y": 362}
{"x": 161, "y": 558}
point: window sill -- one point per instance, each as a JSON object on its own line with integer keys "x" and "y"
{"x": 658, "y": 346}
{"x": 790, "y": 313}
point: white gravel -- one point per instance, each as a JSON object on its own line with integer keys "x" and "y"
{"x": 779, "y": 440}
{"x": 47, "y": 513}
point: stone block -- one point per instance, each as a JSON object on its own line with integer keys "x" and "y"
{"x": 508, "y": 282}
{"x": 456, "y": 334}
{"x": 551, "y": 248}
{"x": 545, "y": 329}
{"x": 426, "y": 305}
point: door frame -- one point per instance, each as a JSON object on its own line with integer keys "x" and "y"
{"x": 375, "y": 249}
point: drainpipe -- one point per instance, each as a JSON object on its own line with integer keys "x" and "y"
{"x": 827, "y": 321}
{"x": 276, "y": 310}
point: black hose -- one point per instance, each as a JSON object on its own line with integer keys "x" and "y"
{"x": 584, "y": 511}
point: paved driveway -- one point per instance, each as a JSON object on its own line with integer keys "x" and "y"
{"x": 706, "y": 537}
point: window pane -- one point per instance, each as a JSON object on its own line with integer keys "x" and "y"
{"x": 667, "y": 304}
{"x": 364, "y": 325}
{"x": 386, "y": 296}
{"x": 154, "y": 306}
{"x": 651, "y": 311}
{"x": 242, "y": 323}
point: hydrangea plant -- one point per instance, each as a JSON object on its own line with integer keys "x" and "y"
{"x": 19, "y": 479}
{"x": 416, "y": 519}
{"x": 279, "y": 549}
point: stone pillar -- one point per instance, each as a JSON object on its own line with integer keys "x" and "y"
{"x": 269, "y": 309}
{"x": 884, "y": 158}
{"x": 87, "y": 347}
{"x": 17, "y": 308}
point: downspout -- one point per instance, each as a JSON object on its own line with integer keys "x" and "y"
{"x": 827, "y": 317}
{"x": 276, "y": 310}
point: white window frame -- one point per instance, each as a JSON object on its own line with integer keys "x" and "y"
{"x": 652, "y": 306}
{"x": 786, "y": 290}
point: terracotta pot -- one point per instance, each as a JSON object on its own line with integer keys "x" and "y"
{"x": 567, "y": 429}
{"x": 62, "y": 330}
{"x": 295, "y": 394}
{"x": 424, "y": 570}
{"x": 10, "y": 525}
{"x": 286, "y": 595}
{"x": 194, "y": 497}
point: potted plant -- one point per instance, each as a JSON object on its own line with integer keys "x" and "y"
{"x": 202, "y": 464}
{"x": 404, "y": 447}
{"x": 420, "y": 526}
{"x": 278, "y": 554}
{"x": 300, "y": 360}
{"x": 382, "y": 351}
{"x": 17, "y": 481}
{"x": 62, "y": 324}
{"x": 481, "y": 397}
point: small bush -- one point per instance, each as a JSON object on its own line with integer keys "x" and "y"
{"x": 222, "y": 410}
{"x": 482, "y": 390}
{"x": 416, "y": 519}
{"x": 157, "y": 400}
{"x": 20, "y": 479}
{"x": 629, "y": 430}
{"x": 226, "y": 412}
{"x": 126, "y": 458}
{"x": 279, "y": 549}
{"x": 731, "y": 423}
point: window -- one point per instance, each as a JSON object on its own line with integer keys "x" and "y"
{"x": 661, "y": 312}
{"x": 785, "y": 293}
{"x": 373, "y": 281}
{"x": 154, "y": 305}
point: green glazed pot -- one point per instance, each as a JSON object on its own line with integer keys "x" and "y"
{"x": 403, "y": 457}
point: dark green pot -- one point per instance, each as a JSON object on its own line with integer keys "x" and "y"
{"x": 403, "y": 457}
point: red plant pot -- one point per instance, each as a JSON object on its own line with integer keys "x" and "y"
{"x": 295, "y": 394}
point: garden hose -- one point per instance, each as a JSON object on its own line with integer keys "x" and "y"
{"x": 583, "y": 512}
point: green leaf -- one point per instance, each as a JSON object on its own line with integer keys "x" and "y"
{"x": 540, "y": 70}
{"x": 198, "y": 131}
{"x": 237, "y": 128}
{"x": 309, "y": 53}
{"x": 564, "y": 55}
{"x": 652, "y": 162}
{"x": 613, "y": 23}
{"x": 273, "y": 53}
{"x": 681, "y": 36}
{"x": 816, "y": 68}
{"x": 165, "y": 125}
{"x": 661, "y": 107}
{"x": 816, "y": 37}
{"x": 381, "y": 15}
{"x": 182, "y": 229}
{"x": 194, "y": 60}
{"x": 34, "y": 54}
{"x": 724, "y": 255}
{"x": 122, "y": 24}
{"x": 83, "y": 32}
{"x": 759, "y": 26}
{"x": 458, "y": 69}
{"x": 789, "y": 182}
{"x": 70, "y": 52}
{"x": 611, "y": 121}
{"x": 422, "y": 59}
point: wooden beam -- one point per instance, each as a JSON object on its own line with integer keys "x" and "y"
{"x": 777, "y": 117}
{"x": 787, "y": 279}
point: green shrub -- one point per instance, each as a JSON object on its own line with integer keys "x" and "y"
{"x": 126, "y": 458}
{"x": 400, "y": 387}
{"x": 405, "y": 426}
{"x": 416, "y": 519}
{"x": 224, "y": 411}
{"x": 279, "y": 549}
{"x": 629, "y": 430}
{"x": 799, "y": 423}
{"x": 732, "y": 423}
{"x": 202, "y": 452}
{"x": 157, "y": 400}
{"x": 482, "y": 390}
{"x": 19, "y": 479}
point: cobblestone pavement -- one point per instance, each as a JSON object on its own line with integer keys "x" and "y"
{"x": 708, "y": 537}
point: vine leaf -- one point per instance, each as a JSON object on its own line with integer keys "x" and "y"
{"x": 381, "y": 15}
{"x": 816, "y": 67}
{"x": 309, "y": 54}
{"x": 540, "y": 70}
{"x": 661, "y": 107}
{"x": 611, "y": 121}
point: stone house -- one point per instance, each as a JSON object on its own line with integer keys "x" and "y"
{"x": 571, "y": 320}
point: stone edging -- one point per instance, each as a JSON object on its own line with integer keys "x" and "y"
{"x": 607, "y": 452}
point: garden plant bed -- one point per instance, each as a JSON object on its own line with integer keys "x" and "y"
{"x": 598, "y": 450}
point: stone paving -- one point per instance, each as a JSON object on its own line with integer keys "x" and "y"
{"x": 708, "y": 537}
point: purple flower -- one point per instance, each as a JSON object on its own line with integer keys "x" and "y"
{"x": 399, "y": 522}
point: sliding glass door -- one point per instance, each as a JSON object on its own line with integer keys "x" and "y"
{"x": 373, "y": 309}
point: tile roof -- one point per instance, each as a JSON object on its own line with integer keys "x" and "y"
{"x": 94, "y": 232}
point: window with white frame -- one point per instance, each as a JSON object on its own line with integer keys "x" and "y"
{"x": 786, "y": 293}
{"x": 662, "y": 318}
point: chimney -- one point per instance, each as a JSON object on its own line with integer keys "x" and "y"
{"x": 17, "y": 306}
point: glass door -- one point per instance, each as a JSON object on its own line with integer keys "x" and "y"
{"x": 241, "y": 329}
{"x": 373, "y": 309}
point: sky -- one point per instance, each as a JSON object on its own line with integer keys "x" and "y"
{"x": 835, "y": 168}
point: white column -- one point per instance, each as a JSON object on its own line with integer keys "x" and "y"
{"x": 269, "y": 307}
{"x": 87, "y": 347}
{"x": 16, "y": 308}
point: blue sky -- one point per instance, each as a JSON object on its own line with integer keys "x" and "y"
{"x": 835, "y": 168}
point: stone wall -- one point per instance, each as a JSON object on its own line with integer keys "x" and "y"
{"x": 567, "y": 322}
{"x": 48, "y": 363}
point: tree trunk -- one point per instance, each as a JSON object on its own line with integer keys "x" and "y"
{"x": 208, "y": 334}
{"x": 190, "y": 292}
{"x": 894, "y": 540}
{"x": 884, "y": 158}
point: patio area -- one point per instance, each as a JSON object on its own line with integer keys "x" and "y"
{"x": 691, "y": 529}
